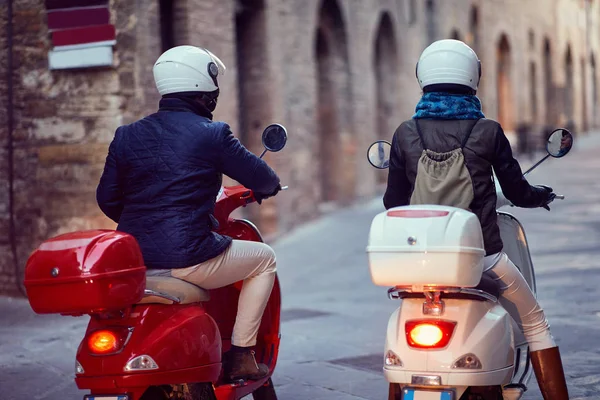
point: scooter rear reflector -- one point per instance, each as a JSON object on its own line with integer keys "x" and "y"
{"x": 429, "y": 334}
{"x": 141, "y": 363}
{"x": 417, "y": 213}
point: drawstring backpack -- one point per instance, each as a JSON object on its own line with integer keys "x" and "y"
{"x": 443, "y": 178}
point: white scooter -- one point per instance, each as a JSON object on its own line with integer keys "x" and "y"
{"x": 450, "y": 339}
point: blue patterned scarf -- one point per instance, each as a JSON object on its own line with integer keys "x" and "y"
{"x": 437, "y": 105}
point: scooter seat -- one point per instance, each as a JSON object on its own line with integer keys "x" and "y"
{"x": 186, "y": 292}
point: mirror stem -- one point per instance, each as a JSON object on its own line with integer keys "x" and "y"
{"x": 536, "y": 165}
{"x": 263, "y": 153}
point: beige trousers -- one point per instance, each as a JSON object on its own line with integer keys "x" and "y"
{"x": 517, "y": 298}
{"x": 252, "y": 262}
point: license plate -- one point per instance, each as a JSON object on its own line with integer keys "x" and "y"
{"x": 106, "y": 397}
{"x": 416, "y": 394}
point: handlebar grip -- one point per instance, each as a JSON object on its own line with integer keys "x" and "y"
{"x": 284, "y": 188}
{"x": 560, "y": 197}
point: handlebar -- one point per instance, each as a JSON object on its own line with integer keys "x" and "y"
{"x": 559, "y": 197}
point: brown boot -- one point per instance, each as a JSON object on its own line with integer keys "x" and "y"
{"x": 241, "y": 364}
{"x": 549, "y": 373}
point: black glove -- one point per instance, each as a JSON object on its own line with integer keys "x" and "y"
{"x": 262, "y": 196}
{"x": 548, "y": 197}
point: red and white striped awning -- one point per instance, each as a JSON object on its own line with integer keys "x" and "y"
{"x": 82, "y": 35}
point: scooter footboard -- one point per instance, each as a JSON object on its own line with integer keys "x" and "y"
{"x": 479, "y": 351}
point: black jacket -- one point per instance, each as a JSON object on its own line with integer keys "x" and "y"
{"x": 486, "y": 148}
{"x": 161, "y": 179}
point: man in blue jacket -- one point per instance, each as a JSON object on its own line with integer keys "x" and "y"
{"x": 160, "y": 183}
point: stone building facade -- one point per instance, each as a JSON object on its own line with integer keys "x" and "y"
{"x": 338, "y": 74}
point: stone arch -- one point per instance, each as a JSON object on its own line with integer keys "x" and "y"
{"x": 549, "y": 84}
{"x": 336, "y": 168}
{"x": 252, "y": 79}
{"x": 504, "y": 84}
{"x": 455, "y": 34}
{"x": 385, "y": 65}
{"x": 569, "y": 97}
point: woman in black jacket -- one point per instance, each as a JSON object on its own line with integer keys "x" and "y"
{"x": 449, "y": 118}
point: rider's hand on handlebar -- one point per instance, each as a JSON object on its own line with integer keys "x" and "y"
{"x": 260, "y": 196}
{"x": 550, "y": 196}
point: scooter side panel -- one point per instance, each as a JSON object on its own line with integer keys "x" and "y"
{"x": 176, "y": 337}
{"x": 483, "y": 329}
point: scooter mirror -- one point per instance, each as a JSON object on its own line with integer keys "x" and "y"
{"x": 274, "y": 138}
{"x": 379, "y": 154}
{"x": 559, "y": 143}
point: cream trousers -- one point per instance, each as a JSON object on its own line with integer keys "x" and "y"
{"x": 517, "y": 298}
{"x": 252, "y": 262}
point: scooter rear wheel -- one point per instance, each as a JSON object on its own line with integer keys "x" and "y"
{"x": 265, "y": 392}
{"x": 155, "y": 393}
{"x": 483, "y": 393}
{"x": 394, "y": 393}
{"x": 196, "y": 391}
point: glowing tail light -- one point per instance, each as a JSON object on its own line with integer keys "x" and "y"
{"x": 108, "y": 341}
{"x": 429, "y": 334}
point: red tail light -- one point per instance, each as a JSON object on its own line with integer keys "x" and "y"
{"x": 417, "y": 213}
{"x": 429, "y": 334}
{"x": 108, "y": 341}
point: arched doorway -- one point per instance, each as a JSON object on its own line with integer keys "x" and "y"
{"x": 430, "y": 21}
{"x": 504, "y": 84}
{"x": 551, "y": 108}
{"x": 584, "y": 92}
{"x": 385, "y": 65}
{"x": 455, "y": 34}
{"x": 253, "y": 79}
{"x": 594, "y": 89}
{"x": 569, "y": 97}
{"x": 336, "y": 165}
{"x": 533, "y": 94}
{"x": 473, "y": 38}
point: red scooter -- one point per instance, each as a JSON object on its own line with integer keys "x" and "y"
{"x": 152, "y": 338}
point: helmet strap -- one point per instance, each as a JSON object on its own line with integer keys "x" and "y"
{"x": 210, "y": 100}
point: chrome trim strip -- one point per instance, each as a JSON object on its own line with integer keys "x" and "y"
{"x": 149, "y": 292}
{"x": 479, "y": 293}
{"x": 395, "y": 293}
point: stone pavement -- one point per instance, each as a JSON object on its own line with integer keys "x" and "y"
{"x": 334, "y": 318}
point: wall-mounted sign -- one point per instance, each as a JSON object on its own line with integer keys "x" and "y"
{"x": 82, "y": 35}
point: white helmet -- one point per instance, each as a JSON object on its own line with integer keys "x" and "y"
{"x": 449, "y": 62}
{"x": 187, "y": 69}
